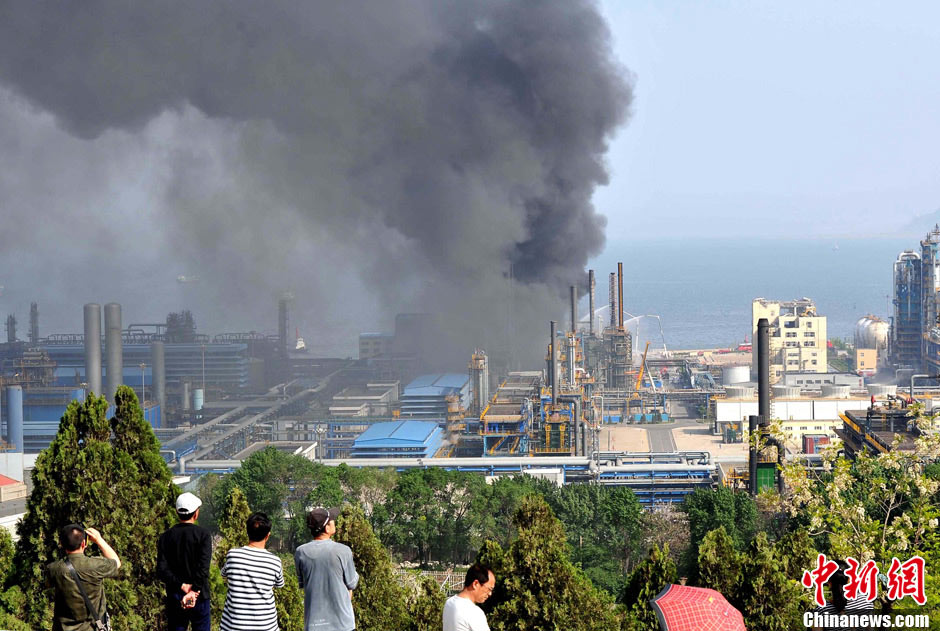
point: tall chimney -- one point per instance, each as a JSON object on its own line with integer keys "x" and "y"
{"x": 612, "y": 299}
{"x": 574, "y": 309}
{"x": 158, "y": 363}
{"x": 33, "y": 323}
{"x": 114, "y": 348}
{"x": 15, "y": 418}
{"x": 93, "y": 348}
{"x": 620, "y": 296}
{"x": 591, "y": 301}
{"x": 763, "y": 370}
{"x": 554, "y": 364}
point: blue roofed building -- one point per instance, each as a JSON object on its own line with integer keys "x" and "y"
{"x": 427, "y": 396}
{"x": 399, "y": 439}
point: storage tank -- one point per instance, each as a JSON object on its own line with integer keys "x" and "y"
{"x": 871, "y": 332}
{"x": 786, "y": 392}
{"x": 199, "y": 398}
{"x": 15, "y": 418}
{"x": 731, "y": 375}
{"x": 739, "y": 392}
{"x": 832, "y": 391}
{"x": 881, "y": 390}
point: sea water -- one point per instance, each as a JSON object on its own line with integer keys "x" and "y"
{"x": 702, "y": 289}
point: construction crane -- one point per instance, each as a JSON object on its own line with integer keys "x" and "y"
{"x": 639, "y": 376}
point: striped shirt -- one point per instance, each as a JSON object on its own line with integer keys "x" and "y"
{"x": 252, "y": 573}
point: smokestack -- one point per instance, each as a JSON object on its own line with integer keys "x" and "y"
{"x": 591, "y": 301}
{"x": 33, "y": 323}
{"x": 158, "y": 362}
{"x": 93, "y": 348}
{"x": 620, "y": 296}
{"x": 574, "y": 309}
{"x": 282, "y": 324}
{"x": 186, "y": 396}
{"x": 15, "y": 418}
{"x": 612, "y": 299}
{"x": 554, "y": 369}
{"x": 752, "y": 424}
{"x": 114, "y": 348}
{"x": 11, "y": 328}
{"x": 763, "y": 370}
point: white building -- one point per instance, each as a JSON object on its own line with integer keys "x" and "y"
{"x": 798, "y": 338}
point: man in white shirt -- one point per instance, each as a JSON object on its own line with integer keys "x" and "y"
{"x": 462, "y": 612}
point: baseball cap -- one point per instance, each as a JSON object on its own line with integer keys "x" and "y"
{"x": 187, "y": 503}
{"x": 319, "y": 517}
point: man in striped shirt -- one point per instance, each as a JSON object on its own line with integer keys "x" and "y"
{"x": 252, "y": 573}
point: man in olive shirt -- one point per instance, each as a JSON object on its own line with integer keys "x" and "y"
{"x": 70, "y": 612}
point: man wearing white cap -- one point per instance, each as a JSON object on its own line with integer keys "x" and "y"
{"x": 183, "y": 556}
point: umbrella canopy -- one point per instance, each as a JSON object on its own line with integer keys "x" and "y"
{"x": 683, "y": 608}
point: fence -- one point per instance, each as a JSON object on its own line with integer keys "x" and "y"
{"x": 450, "y": 581}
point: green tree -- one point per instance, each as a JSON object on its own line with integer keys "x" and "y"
{"x": 720, "y": 566}
{"x": 538, "y": 587}
{"x": 645, "y": 583}
{"x": 290, "y": 598}
{"x": 426, "y": 606}
{"x": 11, "y": 597}
{"x": 378, "y": 600}
{"x": 874, "y": 507}
{"x": 232, "y": 527}
{"x": 769, "y": 598}
{"x": 107, "y": 474}
{"x": 719, "y": 507}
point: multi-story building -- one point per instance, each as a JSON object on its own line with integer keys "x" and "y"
{"x": 930, "y": 296}
{"x": 907, "y": 329}
{"x": 797, "y": 336}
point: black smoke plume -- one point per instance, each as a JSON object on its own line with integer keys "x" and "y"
{"x": 372, "y": 157}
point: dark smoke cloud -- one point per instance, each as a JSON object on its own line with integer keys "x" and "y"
{"x": 372, "y": 157}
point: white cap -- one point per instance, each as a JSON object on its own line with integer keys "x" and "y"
{"x": 187, "y": 503}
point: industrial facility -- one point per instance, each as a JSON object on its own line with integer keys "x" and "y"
{"x": 602, "y": 409}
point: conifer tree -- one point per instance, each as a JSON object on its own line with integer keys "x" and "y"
{"x": 426, "y": 606}
{"x": 234, "y": 535}
{"x": 109, "y": 475}
{"x": 11, "y": 597}
{"x": 538, "y": 587}
{"x": 719, "y": 564}
{"x": 290, "y": 598}
{"x": 771, "y": 600}
{"x": 646, "y": 582}
{"x": 378, "y": 600}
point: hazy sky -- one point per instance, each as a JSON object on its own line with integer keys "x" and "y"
{"x": 783, "y": 118}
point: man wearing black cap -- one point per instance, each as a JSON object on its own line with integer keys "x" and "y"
{"x": 70, "y": 612}
{"x": 326, "y": 570}
{"x": 183, "y": 556}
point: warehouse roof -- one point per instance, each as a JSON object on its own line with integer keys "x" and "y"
{"x": 436, "y": 384}
{"x": 397, "y": 433}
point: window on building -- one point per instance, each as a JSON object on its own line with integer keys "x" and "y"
{"x": 810, "y": 334}
{"x": 814, "y": 362}
{"x": 809, "y": 324}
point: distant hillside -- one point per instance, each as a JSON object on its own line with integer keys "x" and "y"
{"x": 920, "y": 225}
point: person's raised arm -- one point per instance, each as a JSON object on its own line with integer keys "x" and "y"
{"x": 103, "y": 545}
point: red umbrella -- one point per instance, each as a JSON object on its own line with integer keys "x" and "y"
{"x": 683, "y": 608}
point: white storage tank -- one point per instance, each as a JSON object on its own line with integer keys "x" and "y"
{"x": 832, "y": 391}
{"x": 871, "y": 332}
{"x": 786, "y": 392}
{"x": 881, "y": 390}
{"x": 731, "y": 375}
{"x": 739, "y": 392}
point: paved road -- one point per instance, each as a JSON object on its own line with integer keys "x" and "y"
{"x": 661, "y": 439}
